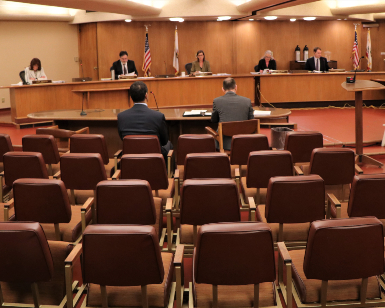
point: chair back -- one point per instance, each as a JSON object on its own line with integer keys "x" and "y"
{"x": 301, "y": 145}
{"x": 367, "y": 196}
{"x": 256, "y": 68}
{"x": 335, "y": 165}
{"x": 295, "y": 199}
{"x": 209, "y": 201}
{"x": 44, "y": 144}
{"x": 22, "y": 77}
{"x": 194, "y": 143}
{"x": 41, "y": 200}
{"x": 5, "y": 145}
{"x": 121, "y": 255}
{"x": 19, "y": 165}
{"x": 82, "y": 171}
{"x": 242, "y": 145}
{"x": 141, "y": 144}
{"x": 89, "y": 143}
{"x": 219, "y": 247}
{"x": 342, "y": 249}
{"x": 207, "y": 166}
{"x": 238, "y": 127}
{"x": 188, "y": 67}
{"x": 125, "y": 202}
{"x": 148, "y": 167}
{"x": 262, "y": 165}
{"x": 24, "y": 255}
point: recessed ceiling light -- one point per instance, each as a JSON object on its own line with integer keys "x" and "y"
{"x": 127, "y": 20}
{"x": 309, "y": 18}
{"x": 251, "y": 19}
{"x": 293, "y": 19}
{"x": 224, "y": 17}
{"x": 176, "y": 19}
{"x": 270, "y": 17}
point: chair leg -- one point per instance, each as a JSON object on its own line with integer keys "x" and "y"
{"x": 289, "y": 286}
{"x": 364, "y": 288}
{"x": 103, "y": 291}
{"x": 68, "y": 276}
{"x": 215, "y": 296}
{"x": 324, "y": 291}
{"x": 50, "y": 170}
{"x": 72, "y": 196}
{"x": 1, "y": 296}
{"x": 258, "y": 197}
{"x": 144, "y": 297}
{"x": 280, "y": 233}
{"x": 35, "y": 294}
{"x": 256, "y": 296}
{"x": 57, "y": 232}
{"x": 195, "y": 234}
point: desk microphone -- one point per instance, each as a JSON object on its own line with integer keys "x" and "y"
{"x": 155, "y": 100}
{"x": 355, "y": 73}
{"x": 81, "y": 65}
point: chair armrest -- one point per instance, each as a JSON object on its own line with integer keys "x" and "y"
{"x": 169, "y": 204}
{"x": 118, "y": 153}
{"x": 57, "y": 175}
{"x": 85, "y": 130}
{"x": 178, "y": 257}
{"x": 298, "y": 170}
{"x": 116, "y": 175}
{"x": 212, "y": 132}
{"x": 10, "y": 204}
{"x": 284, "y": 253}
{"x": 252, "y": 203}
{"x": 358, "y": 169}
{"x": 74, "y": 254}
{"x": 252, "y": 209}
{"x": 237, "y": 173}
{"x": 332, "y": 200}
{"x": 87, "y": 205}
{"x": 176, "y": 174}
{"x": 170, "y": 153}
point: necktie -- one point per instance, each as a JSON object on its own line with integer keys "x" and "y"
{"x": 317, "y": 68}
{"x": 124, "y": 69}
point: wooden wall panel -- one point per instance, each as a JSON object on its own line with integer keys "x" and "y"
{"x": 88, "y": 52}
{"x": 378, "y": 45}
{"x": 231, "y": 47}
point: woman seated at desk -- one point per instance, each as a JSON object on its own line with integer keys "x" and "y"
{"x": 34, "y": 71}
{"x": 267, "y": 62}
{"x": 200, "y": 65}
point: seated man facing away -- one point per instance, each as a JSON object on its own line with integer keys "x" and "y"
{"x": 231, "y": 107}
{"x": 141, "y": 120}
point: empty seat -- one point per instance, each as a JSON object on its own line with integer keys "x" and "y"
{"x": 301, "y": 144}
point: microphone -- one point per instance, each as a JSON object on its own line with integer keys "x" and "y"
{"x": 355, "y": 73}
{"x": 81, "y": 65}
{"x": 155, "y": 100}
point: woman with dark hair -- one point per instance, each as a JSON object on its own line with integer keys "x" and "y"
{"x": 200, "y": 65}
{"x": 34, "y": 71}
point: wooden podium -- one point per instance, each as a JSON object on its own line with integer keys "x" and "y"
{"x": 358, "y": 87}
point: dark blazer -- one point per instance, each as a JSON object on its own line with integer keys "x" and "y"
{"x": 141, "y": 120}
{"x": 262, "y": 64}
{"x": 310, "y": 64}
{"x": 117, "y": 67}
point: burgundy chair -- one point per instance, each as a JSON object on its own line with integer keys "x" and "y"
{"x": 129, "y": 202}
{"x": 46, "y": 145}
{"x": 121, "y": 262}
{"x": 5, "y": 146}
{"x": 81, "y": 173}
{"x": 92, "y": 143}
{"x": 301, "y": 144}
{"x": 234, "y": 266}
{"x": 151, "y": 168}
{"x": 340, "y": 265}
{"x": 367, "y": 198}
{"x": 192, "y": 143}
{"x": 19, "y": 165}
{"x": 207, "y": 201}
{"x": 261, "y": 166}
{"x": 292, "y": 203}
{"x": 337, "y": 168}
{"x": 242, "y": 146}
{"x": 31, "y": 269}
{"x": 46, "y": 201}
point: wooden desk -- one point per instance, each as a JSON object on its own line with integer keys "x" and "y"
{"x": 104, "y": 121}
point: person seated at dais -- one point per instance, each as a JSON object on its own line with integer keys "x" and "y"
{"x": 34, "y": 71}
{"x": 201, "y": 64}
{"x": 267, "y": 62}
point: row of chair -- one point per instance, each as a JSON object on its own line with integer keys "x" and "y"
{"x": 234, "y": 266}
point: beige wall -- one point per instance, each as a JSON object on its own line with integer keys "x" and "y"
{"x": 54, "y": 43}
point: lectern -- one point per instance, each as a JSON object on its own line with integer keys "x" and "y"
{"x": 358, "y": 87}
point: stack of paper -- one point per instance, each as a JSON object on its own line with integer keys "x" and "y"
{"x": 194, "y": 112}
{"x": 261, "y": 112}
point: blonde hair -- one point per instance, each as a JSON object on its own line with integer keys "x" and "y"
{"x": 269, "y": 52}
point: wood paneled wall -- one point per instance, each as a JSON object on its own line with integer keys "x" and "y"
{"x": 230, "y": 47}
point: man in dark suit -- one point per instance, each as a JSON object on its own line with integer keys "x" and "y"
{"x": 123, "y": 66}
{"x": 317, "y": 63}
{"x": 231, "y": 107}
{"x": 141, "y": 120}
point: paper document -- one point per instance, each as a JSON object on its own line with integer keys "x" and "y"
{"x": 262, "y": 112}
{"x": 254, "y": 73}
{"x": 194, "y": 112}
{"x": 58, "y": 81}
{"x": 208, "y": 113}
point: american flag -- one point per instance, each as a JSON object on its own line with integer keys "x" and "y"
{"x": 147, "y": 58}
{"x": 355, "y": 51}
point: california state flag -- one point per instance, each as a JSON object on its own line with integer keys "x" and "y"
{"x": 175, "y": 62}
{"x": 369, "y": 52}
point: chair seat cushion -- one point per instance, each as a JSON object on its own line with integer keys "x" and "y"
{"x": 51, "y": 292}
{"x": 158, "y": 294}
{"x": 291, "y": 232}
{"x": 234, "y": 296}
{"x": 251, "y": 192}
{"x": 338, "y": 290}
{"x": 71, "y": 231}
{"x": 242, "y": 171}
{"x": 187, "y": 234}
{"x": 166, "y": 193}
